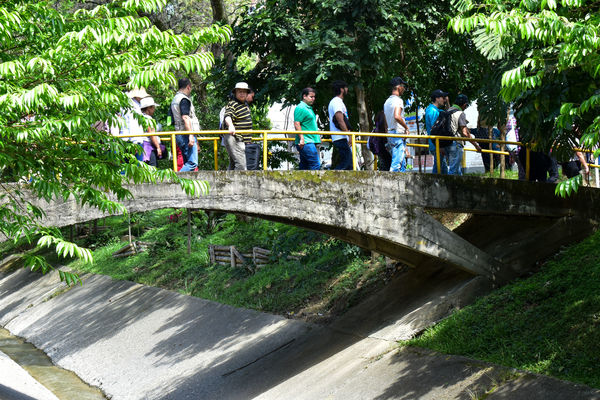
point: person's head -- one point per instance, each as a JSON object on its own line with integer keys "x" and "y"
{"x": 241, "y": 91}
{"x": 309, "y": 95}
{"x": 462, "y": 101}
{"x": 438, "y": 97}
{"x": 148, "y": 105}
{"x": 185, "y": 86}
{"x": 250, "y": 95}
{"x": 398, "y": 86}
{"x": 340, "y": 88}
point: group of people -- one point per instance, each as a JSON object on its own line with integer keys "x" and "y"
{"x": 244, "y": 153}
{"x": 142, "y": 106}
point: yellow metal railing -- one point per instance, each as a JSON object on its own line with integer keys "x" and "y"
{"x": 263, "y": 136}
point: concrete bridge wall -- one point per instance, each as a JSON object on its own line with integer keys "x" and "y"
{"x": 380, "y": 211}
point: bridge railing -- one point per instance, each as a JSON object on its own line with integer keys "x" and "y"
{"x": 355, "y": 138}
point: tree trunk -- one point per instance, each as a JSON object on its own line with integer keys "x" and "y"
{"x": 363, "y": 120}
{"x": 219, "y": 16}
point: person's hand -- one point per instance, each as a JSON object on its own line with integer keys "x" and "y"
{"x": 191, "y": 141}
{"x": 158, "y": 153}
{"x": 301, "y": 143}
{"x": 477, "y": 147}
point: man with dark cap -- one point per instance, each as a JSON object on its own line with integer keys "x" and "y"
{"x": 431, "y": 114}
{"x": 458, "y": 124}
{"x": 394, "y": 116}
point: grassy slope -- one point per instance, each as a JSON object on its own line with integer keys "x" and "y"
{"x": 331, "y": 273}
{"x": 548, "y": 323}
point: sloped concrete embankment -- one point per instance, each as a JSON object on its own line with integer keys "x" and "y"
{"x": 137, "y": 342}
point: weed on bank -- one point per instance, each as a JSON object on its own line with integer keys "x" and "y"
{"x": 548, "y": 323}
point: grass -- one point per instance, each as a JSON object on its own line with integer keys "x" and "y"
{"x": 548, "y": 323}
{"x": 330, "y": 273}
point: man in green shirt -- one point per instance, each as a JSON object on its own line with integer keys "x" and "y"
{"x": 306, "y": 120}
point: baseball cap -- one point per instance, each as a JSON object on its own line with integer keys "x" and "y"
{"x": 461, "y": 99}
{"x": 397, "y": 81}
{"x": 438, "y": 93}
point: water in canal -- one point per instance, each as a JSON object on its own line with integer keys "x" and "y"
{"x": 64, "y": 384}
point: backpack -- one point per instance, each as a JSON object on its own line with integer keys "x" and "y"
{"x": 443, "y": 126}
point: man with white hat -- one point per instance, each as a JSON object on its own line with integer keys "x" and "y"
{"x": 238, "y": 117}
{"x": 184, "y": 118}
{"x": 132, "y": 125}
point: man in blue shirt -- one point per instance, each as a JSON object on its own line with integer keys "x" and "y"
{"x": 431, "y": 113}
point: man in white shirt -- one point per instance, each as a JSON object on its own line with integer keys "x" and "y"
{"x": 394, "y": 116}
{"x": 338, "y": 122}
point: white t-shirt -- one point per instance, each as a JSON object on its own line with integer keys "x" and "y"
{"x": 336, "y": 104}
{"x": 388, "y": 108}
{"x": 132, "y": 126}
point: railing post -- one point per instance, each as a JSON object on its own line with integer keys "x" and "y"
{"x": 438, "y": 159}
{"x": 174, "y": 151}
{"x": 216, "y": 152}
{"x": 264, "y": 140}
{"x": 353, "y": 141}
{"x": 527, "y": 163}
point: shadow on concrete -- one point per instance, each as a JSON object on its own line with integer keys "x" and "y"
{"x": 7, "y": 393}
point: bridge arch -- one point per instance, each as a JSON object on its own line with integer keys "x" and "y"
{"x": 379, "y": 211}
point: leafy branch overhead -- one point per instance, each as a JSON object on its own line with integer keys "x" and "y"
{"x": 552, "y": 78}
{"x": 62, "y": 73}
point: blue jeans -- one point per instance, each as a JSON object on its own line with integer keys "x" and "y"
{"x": 309, "y": 157}
{"x": 455, "y": 155}
{"x": 444, "y": 165}
{"x": 343, "y": 148}
{"x": 190, "y": 154}
{"x": 397, "y": 147}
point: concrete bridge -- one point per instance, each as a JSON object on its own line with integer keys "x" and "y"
{"x": 513, "y": 223}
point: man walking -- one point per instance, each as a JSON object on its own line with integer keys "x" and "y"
{"x": 306, "y": 120}
{"x": 184, "y": 118}
{"x": 438, "y": 101}
{"x": 394, "y": 116}
{"x": 338, "y": 122}
{"x": 238, "y": 117}
{"x": 458, "y": 124}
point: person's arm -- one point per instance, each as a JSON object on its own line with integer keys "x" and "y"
{"x": 464, "y": 131}
{"x": 584, "y": 164}
{"x": 300, "y": 135}
{"x": 340, "y": 119}
{"x": 156, "y": 142}
{"x": 229, "y": 123}
{"x": 398, "y": 117}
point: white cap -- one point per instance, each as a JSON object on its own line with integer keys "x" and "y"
{"x": 137, "y": 92}
{"x": 242, "y": 85}
{"x": 147, "y": 102}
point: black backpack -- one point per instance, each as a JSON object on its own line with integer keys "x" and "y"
{"x": 443, "y": 126}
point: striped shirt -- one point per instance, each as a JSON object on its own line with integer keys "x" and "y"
{"x": 240, "y": 115}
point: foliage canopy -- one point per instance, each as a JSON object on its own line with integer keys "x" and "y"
{"x": 552, "y": 56}
{"x": 61, "y": 73}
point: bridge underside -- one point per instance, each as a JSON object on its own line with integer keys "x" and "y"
{"x": 384, "y": 212}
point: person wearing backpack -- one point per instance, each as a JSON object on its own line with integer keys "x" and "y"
{"x": 432, "y": 112}
{"x": 377, "y": 144}
{"x": 458, "y": 126}
{"x": 394, "y": 116}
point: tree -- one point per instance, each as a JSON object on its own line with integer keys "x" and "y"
{"x": 553, "y": 68}
{"x": 366, "y": 43}
{"x": 61, "y": 73}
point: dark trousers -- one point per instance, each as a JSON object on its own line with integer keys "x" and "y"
{"x": 345, "y": 154}
{"x": 384, "y": 160}
{"x": 253, "y": 153}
